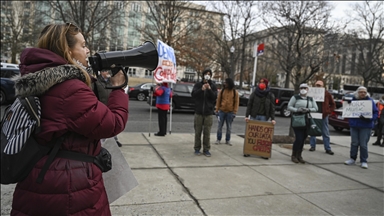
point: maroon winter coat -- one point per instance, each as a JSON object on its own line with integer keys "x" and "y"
{"x": 68, "y": 105}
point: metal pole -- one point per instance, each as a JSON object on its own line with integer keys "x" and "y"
{"x": 150, "y": 106}
{"x": 254, "y": 73}
{"x": 170, "y": 116}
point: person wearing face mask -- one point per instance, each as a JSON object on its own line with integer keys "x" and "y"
{"x": 261, "y": 104}
{"x": 103, "y": 93}
{"x": 360, "y": 129}
{"x": 300, "y": 104}
{"x": 326, "y": 108}
{"x": 204, "y": 93}
{"x": 57, "y": 72}
{"x": 227, "y": 105}
{"x": 380, "y": 127}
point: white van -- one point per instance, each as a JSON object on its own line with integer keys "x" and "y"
{"x": 8, "y": 65}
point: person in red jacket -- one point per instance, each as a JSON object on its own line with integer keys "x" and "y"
{"x": 57, "y": 72}
{"x": 163, "y": 96}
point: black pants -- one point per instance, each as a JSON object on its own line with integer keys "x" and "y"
{"x": 162, "y": 118}
{"x": 300, "y": 136}
{"x": 379, "y": 132}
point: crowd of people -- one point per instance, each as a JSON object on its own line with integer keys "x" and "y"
{"x": 77, "y": 104}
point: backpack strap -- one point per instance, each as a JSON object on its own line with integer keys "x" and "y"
{"x": 30, "y": 105}
{"x": 50, "y": 159}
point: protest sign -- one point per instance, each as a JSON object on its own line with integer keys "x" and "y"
{"x": 318, "y": 94}
{"x": 120, "y": 179}
{"x": 258, "y": 138}
{"x": 357, "y": 108}
{"x": 166, "y": 69}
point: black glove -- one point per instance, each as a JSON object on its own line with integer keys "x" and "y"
{"x": 366, "y": 119}
{"x": 306, "y": 110}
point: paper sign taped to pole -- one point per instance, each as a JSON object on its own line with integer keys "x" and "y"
{"x": 357, "y": 108}
{"x": 318, "y": 93}
{"x": 120, "y": 179}
{"x": 258, "y": 138}
{"x": 166, "y": 69}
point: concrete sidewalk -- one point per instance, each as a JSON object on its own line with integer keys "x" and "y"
{"x": 174, "y": 181}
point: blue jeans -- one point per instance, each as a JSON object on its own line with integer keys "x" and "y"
{"x": 259, "y": 118}
{"x": 228, "y": 118}
{"x": 360, "y": 137}
{"x": 325, "y": 136}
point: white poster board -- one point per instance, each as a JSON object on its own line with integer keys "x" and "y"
{"x": 357, "y": 108}
{"x": 166, "y": 68}
{"x": 120, "y": 179}
{"x": 318, "y": 93}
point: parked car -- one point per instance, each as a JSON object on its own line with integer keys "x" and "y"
{"x": 337, "y": 121}
{"x": 140, "y": 91}
{"x": 181, "y": 99}
{"x": 8, "y": 65}
{"x": 243, "y": 97}
{"x": 7, "y": 90}
{"x": 282, "y": 97}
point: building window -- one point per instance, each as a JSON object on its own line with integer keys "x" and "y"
{"x": 132, "y": 71}
{"x": 148, "y": 73}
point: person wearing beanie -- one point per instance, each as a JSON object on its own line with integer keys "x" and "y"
{"x": 300, "y": 104}
{"x": 326, "y": 108}
{"x": 204, "y": 93}
{"x": 380, "y": 127}
{"x": 227, "y": 105}
{"x": 360, "y": 129}
{"x": 163, "y": 96}
{"x": 261, "y": 104}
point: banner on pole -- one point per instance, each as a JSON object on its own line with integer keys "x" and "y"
{"x": 318, "y": 93}
{"x": 166, "y": 69}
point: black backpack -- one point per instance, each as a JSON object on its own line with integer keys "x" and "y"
{"x": 20, "y": 150}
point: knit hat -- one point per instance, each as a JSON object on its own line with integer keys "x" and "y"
{"x": 265, "y": 80}
{"x": 361, "y": 88}
{"x": 304, "y": 85}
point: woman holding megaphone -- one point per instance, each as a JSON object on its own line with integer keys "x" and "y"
{"x": 57, "y": 72}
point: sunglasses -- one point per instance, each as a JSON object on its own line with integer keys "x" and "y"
{"x": 69, "y": 25}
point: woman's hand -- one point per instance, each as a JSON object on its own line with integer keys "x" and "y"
{"x": 118, "y": 79}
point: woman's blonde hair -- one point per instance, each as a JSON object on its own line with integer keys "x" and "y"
{"x": 58, "y": 38}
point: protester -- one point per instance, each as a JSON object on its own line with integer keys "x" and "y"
{"x": 326, "y": 108}
{"x": 300, "y": 104}
{"x": 102, "y": 93}
{"x": 204, "y": 93}
{"x": 56, "y": 72}
{"x": 163, "y": 97}
{"x": 360, "y": 129}
{"x": 380, "y": 122}
{"x": 227, "y": 105}
{"x": 261, "y": 104}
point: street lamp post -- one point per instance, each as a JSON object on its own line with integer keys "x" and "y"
{"x": 232, "y": 75}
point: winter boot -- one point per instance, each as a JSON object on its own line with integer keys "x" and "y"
{"x": 294, "y": 157}
{"x": 299, "y": 158}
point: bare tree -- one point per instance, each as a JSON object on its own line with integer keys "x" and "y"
{"x": 298, "y": 27}
{"x": 368, "y": 40}
{"x": 238, "y": 23}
{"x": 19, "y": 20}
{"x": 95, "y": 18}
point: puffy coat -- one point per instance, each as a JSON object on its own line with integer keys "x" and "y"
{"x": 68, "y": 105}
{"x": 254, "y": 104}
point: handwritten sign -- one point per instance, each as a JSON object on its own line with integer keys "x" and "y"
{"x": 357, "y": 108}
{"x": 258, "y": 138}
{"x": 166, "y": 69}
{"x": 318, "y": 94}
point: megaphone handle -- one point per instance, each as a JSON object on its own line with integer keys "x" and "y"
{"x": 120, "y": 86}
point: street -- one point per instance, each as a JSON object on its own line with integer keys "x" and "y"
{"x": 182, "y": 121}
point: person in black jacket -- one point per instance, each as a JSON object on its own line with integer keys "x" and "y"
{"x": 204, "y": 93}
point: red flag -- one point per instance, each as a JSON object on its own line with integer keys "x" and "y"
{"x": 260, "y": 49}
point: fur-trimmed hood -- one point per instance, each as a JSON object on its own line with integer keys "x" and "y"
{"x": 39, "y": 82}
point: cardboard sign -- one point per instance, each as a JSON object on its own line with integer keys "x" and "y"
{"x": 166, "y": 68}
{"x": 357, "y": 108}
{"x": 318, "y": 93}
{"x": 120, "y": 179}
{"x": 258, "y": 138}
